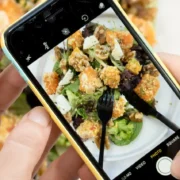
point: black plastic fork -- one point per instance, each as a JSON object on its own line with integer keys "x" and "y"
{"x": 104, "y": 109}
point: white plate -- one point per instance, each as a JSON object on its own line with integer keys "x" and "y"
{"x": 153, "y": 130}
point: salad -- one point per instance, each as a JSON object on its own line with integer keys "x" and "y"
{"x": 92, "y": 60}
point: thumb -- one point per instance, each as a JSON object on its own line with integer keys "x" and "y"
{"x": 25, "y": 145}
{"x": 172, "y": 62}
{"x": 175, "y": 168}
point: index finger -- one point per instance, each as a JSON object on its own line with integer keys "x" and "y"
{"x": 11, "y": 85}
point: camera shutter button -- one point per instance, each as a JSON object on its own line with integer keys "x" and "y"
{"x": 163, "y": 166}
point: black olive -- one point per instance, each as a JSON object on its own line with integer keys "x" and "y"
{"x": 77, "y": 120}
{"x": 128, "y": 81}
{"x": 141, "y": 55}
{"x": 89, "y": 29}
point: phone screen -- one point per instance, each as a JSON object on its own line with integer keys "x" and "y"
{"x": 102, "y": 54}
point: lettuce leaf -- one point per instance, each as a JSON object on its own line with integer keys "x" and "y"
{"x": 73, "y": 99}
{"x": 57, "y": 69}
{"x": 82, "y": 112}
{"x": 118, "y": 64}
{"x": 116, "y": 94}
{"x": 73, "y": 87}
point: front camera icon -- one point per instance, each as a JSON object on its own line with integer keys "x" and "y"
{"x": 65, "y": 31}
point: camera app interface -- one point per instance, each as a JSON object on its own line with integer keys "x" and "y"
{"x": 100, "y": 79}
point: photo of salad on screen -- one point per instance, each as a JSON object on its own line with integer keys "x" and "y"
{"x": 92, "y": 60}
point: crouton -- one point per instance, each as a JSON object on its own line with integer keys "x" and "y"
{"x": 76, "y": 40}
{"x": 119, "y": 108}
{"x": 147, "y": 88}
{"x": 88, "y": 129}
{"x": 89, "y": 80}
{"x": 125, "y": 39}
{"x": 110, "y": 76}
{"x": 134, "y": 66}
{"x": 51, "y": 81}
{"x": 78, "y": 60}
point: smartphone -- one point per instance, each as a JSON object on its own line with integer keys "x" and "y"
{"x": 69, "y": 52}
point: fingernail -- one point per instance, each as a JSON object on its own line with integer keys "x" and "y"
{"x": 175, "y": 168}
{"x": 40, "y": 116}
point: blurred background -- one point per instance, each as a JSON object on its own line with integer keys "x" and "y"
{"x": 145, "y": 14}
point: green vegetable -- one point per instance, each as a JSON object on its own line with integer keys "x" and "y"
{"x": 137, "y": 129}
{"x": 82, "y": 112}
{"x": 118, "y": 64}
{"x": 73, "y": 99}
{"x": 92, "y": 56}
{"x": 59, "y": 148}
{"x": 116, "y": 94}
{"x": 124, "y": 131}
{"x": 52, "y": 156}
{"x": 20, "y": 106}
{"x": 101, "y": 62}
{"x": 91, "y": 53}
{"x": 66, "y": 53}
{"x": 90, "y": 97}
{"x": 56, "y": 68}
{"x": 95, "y": 64}
{"x": 67, "y": 144}
{"x": 73, "y": 87}
{"x": 62, "y": 141}
{"x": 94, "y": 115}
{"x": 84, "y": 104}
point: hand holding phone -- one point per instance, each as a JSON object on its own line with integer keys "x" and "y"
{"x": 70, "y": 65}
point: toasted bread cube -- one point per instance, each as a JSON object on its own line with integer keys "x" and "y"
{"x": 76, "y": 40}
{"x": 89, "y": 80}
{"x": 78, "y": 60}
{"x": 110, "y": 76}
{"x": 110, "y": 38}
{"x": 147, "y": 88}
{"x": 88, "y": 129}
{"x": 119, "y": 108}
{"x": 51, "y": 81}
{"x": 134, "y": 66}
{"x": 124, "y": 37}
